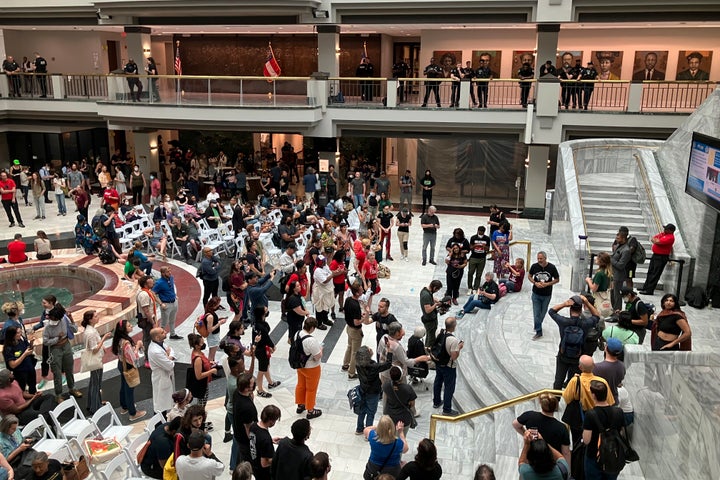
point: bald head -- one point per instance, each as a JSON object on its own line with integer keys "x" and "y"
{"x": 157, "y": 334}
{"x": 587, "y": 364}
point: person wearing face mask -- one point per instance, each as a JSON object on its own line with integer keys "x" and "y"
{"x": 138, "y": 184}
{"x": 155, "y": 188}
{"x": 59, "y": 331}
{"x": 201, "y": 373}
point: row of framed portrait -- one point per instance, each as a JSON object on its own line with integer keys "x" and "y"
{"x": 693, "y": 65}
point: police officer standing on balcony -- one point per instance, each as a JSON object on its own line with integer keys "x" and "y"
{"x": 401, "y": 70}
{"x": 467, "y": 75}
{"x": 483, "y": 72}
{"x": 41, "y": 70}
{"x": 525, "y": 74}
{"x": 456, "y": 75}
{"x": 576, "y": 86}
{"x": 589, "y": 74}
{"x": 131, "y": 68}
{"x": 365, "y": 70}
{"x": 432, "y": 71}
{"x": 12, "y": 70}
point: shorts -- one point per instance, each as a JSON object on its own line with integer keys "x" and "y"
{"x": 213, "y": 340}
{"x": 263, "y": 362}
{"x": 339, "y": 287}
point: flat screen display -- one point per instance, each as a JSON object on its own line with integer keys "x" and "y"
{"x": 704, "y": 166}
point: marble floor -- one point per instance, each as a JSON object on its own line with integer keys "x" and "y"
{"x": 333, "y": 431}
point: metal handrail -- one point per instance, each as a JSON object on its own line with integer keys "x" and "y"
{"x": 436, "y": 417}
{"x": 643, "y": 174}
{"x": 529, "y": 249}
{"x": 201, "y": 77}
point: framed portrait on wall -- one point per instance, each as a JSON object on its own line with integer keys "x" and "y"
{"x": 607, "y": 63}
{"x": 520, "y": 57}
{"x": 694, "y": 65}
{"x": 487, "y": 58}
{"x": 568, "y": 57}
{"x": 448, "y": 59}
{"x": 649, "y": 65}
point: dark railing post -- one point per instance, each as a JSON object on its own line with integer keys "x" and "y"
{"x": 679, "y": 281}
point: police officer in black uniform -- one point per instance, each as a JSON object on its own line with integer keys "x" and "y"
{"x": 131, "y": 68}
{"x": 468, "y": 73}
{"x": 432, "y": 71}
{"x": 365, "y": 70}
{"x": 456, "y": 76}
{"x": 482, "y": 87}
{"x": 525, "y": 74}
{"x": 401, "y": 70}
{"x": 41, "y": 70}
{"x": 576, "y": 91}
{"x": 12, "y": 69}
{"x": 565, "y": 74}
{"x": 548, "y": 69}
{"x": 589, "y": 74}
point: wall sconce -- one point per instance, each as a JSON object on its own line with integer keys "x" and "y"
{"x": 337, "y": 52}
{"x": 153, "y": 146}
{"x": 146, "y": 50}
{"x": 321, "y": 14}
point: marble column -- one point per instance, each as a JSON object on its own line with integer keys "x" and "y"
{"x": 535, "y": 179}
{"x": 329, "y": 49}
{"x": 138, "y": 48}
{"x": 143, "y": 146}
{"x": 547, "y": 44}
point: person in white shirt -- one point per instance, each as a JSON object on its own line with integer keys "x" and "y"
{"x": 201, "y": 463}
{"x": 212, "y": 195}
{"x": 162, "y": 364}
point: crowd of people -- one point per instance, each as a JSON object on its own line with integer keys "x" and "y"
{"x": 347, "y": 250}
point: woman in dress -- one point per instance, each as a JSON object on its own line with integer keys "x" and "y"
{"x": 672, "y": 325}
{"x": 368, "y": 371}
{"x": 202, "y": 369}
{"x": 43, "y": 247}
{"x": 600, "y": 284}
{"x": 119, "y": 182}
{"x": 456, "y": 263}
{"x": 94, "y": 342}
{"x": 425, "y": 466}
{"x": 387, "y": 444}
{"x": 236, "y": 295}
{"x": 501, "y": 249}
{"x": 127, "y": 352}
{"x": 264, "y": 348}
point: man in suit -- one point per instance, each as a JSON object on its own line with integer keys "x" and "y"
{"x": 693, "y": 72}
{"x": 649, "y": 72}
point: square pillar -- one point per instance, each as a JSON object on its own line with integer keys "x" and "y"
{"x": 547, "y": 44}
{"x": 329, "y": 49}
{"x": 535, "y": 179}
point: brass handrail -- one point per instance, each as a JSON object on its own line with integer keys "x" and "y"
{"x": 436, "y": 417}
{"x": 643, "y": 174}
{"x": 529, "y": 249}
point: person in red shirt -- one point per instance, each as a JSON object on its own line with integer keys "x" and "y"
{"x": 300, "y": 276}
{"x": 338, "y": 265}
{"x": 82, "y": 200}
{"x": 369, "y": 274}
{"x": 16, "y": 250}
{"x": 662, "y": 244}
{"x": 9, "y": 201}
{"x": 111, "y": 197}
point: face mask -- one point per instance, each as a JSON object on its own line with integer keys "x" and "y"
{"x": 53, "y": 322}
{"x": 151, "y": 176}
{"x": 137, "y": 169}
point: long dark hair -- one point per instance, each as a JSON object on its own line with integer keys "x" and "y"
{"x": 10, "y": 334}
{"x": 674, "y": 299}
{"x": 119, "y": 334}
{"x": 539, "y": 456}
{"x": 426, "y": 456}
{"x": 87, "y": 316}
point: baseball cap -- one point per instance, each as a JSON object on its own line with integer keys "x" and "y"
{"x": 319, "y": 259}
{"x": 577, "y": 301}
{"x": 626, "y": 291}
{"x": 614, "y": 346}
{"x": 16, "y": 162}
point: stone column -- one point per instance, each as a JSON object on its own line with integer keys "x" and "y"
{"x": 535, "y": 180}
{"x": 143, "y": 144}
{"x": 547, "y": 44}
{"x": 138, "y": 48}
{"x": 329, "y": 49}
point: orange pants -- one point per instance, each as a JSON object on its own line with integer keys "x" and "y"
{"x": 307, "y": 384}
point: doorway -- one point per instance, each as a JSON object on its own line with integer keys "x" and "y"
{"x": 113, "y": 56}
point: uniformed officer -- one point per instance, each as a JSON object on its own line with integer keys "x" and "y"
{"x": 576, "y": 92}
{"x": 456, "y": 76}
{"x": 590, "y": 75}
{"x": 564, "y": 74}
{"x": 365, "y": 70}
{"x": 467, "y": 75}
{"x": 131, "y": 68}
{"x": 525, "y": 74}
{"x": 401, "y": 70}
{"x": 12, "y": 69}
{"x": 432, "y": 71}
{"x": 548, "y": 69}
{"x": 41, "y": 70}
{"x": 483, "y": 72}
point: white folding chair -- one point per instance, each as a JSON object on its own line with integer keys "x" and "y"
{"x": 75, "y": 425}
{"x": 301, "y": 243}
{"x": 269, "y": 247}
{"x": 152, "y": 424}
{"x": 109, "y": 425}
{"x": 276, "y": 216}
{"x": 211, "y": 241}
{"x": 172, "y": 246}
{"x": 47, "y": 442}
{"x": 133, "y": 449}
{"x": 116, "y": 465}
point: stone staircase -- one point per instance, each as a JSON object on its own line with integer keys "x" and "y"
{"x": 610, "y": 200}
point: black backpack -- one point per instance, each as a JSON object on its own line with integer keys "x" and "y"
{"x": 573, "y": 340}
{"x": 297, "y": 358}
{"x": 438, "y": 352}
{"x": 593, "y": 339}
{"x": 610, "y": 448}
{"x": 696, "y": 298}
{"x": 107, "y": 256}
{"x": 98, "y": 226}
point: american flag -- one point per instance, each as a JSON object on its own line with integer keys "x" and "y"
{"x": 364, "y": 52}
{"x": 178, "y": 62}
{"x": 271, "y": 68}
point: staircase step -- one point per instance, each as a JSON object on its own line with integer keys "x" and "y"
{"x": 604, "y": 220}
{"x": 612, "y": 200}
{"x": 621, "y": 191}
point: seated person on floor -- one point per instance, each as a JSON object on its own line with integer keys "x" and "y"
{"x": 487, "y": 294}
{"x": 517, "y": 276}
{"x": 16, "y": 250}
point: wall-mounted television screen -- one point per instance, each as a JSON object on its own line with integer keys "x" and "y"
{"x": 704, "y": 166}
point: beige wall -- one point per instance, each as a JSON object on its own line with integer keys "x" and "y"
{"x": 627, "y": 40}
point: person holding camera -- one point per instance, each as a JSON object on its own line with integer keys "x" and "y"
{"x": 539, "y": 459}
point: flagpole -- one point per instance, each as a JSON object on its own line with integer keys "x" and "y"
{"x": 177, "y": 80}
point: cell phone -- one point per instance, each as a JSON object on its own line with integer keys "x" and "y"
{"x": 533, "y": 433}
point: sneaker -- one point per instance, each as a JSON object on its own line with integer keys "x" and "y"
{"x": 437, "y": 405}
{"x": 12, "y": 225}
{"x": 76, "y": 393}
{"x": 209, "y": 427}
{"x": 451, "y": 413}
{"x": 358, "y": 432}
{"x": 37, "y": 218}
{"x": 332, "y": 315}
{"x": 59, "y": 399}
{"x": 352, "y": 376}
{"x": 460, "y": 314}
{"x": 264, "y": 394}
{"x": 314, "y": 413}
{"x": 175, "y": 337}
{"x": 274, "y": 384}
{"x": 41, "y": 384}
{"x": 300, "y": 408}
{"x": 329, "y": 323}
{"x": 321, "y": 326}
{"x": 470, "y": 292}
{"x": 537, "y": 336}
{"x": 228, "y": 437}
{"x": 138, "y": 415}
{"x": 22, "y": 225}
{"x": 424, "y": 263}
{"x": 390, "y": 258}
{"x": 345, "y": 368}
{"x": 123, "y": 411}
{"x": 433, "y": 262}
{"x": 406, "y": 259}
{"x": 454, "y": 301}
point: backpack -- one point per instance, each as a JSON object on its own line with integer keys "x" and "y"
{"x": 696, "y": 298}
{"x": 297, "y": 358}
{"x": 610, "y": 449}
{"x": 638, "y": 255}
{"x": 573, "y": 340}
{"x": 107, "y": 256}
{"x": 502, "y": 290}
{"x": 592, "y": 340}
{"x": 98, "y": 226}
{"x": 355, "y": 398}
{"x": 438, "y": 352}
{"x": 201, "y": 326}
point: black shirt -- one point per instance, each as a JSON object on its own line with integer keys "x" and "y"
{"x": 429, "y": 220}
{"x": 261, "y": 446}
{"x": 403, "y": 219}
{"x": 464, "y": 244}
{"x": 291, "y": 461}
{"x": 479, "y": 246}
{"x": 414, "y": 471}
{"x": 54, "y": 471}
{"x": 552, "y": 430}
{"x": 40, "y": 65}
{"x": 162, "y": 444}
{"x": 601, "y": 417}
{"x": 352, "y": 312}
{"x": 385, "y": 219}
{"x": 294, "y": 318}
{"x": 244, "y": 412}
{"x": 543, "y": 274}
{"x": 381, "y": 323}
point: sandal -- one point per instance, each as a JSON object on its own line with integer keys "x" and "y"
{"x": 264, "y": 394}
{"x": 273, "y": 384}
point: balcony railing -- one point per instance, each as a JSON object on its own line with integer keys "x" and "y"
{"x": 339, "y": 92}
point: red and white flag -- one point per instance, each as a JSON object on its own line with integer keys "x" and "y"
{"x": 271, "y": 68}
{"x": 178, "y": 62}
